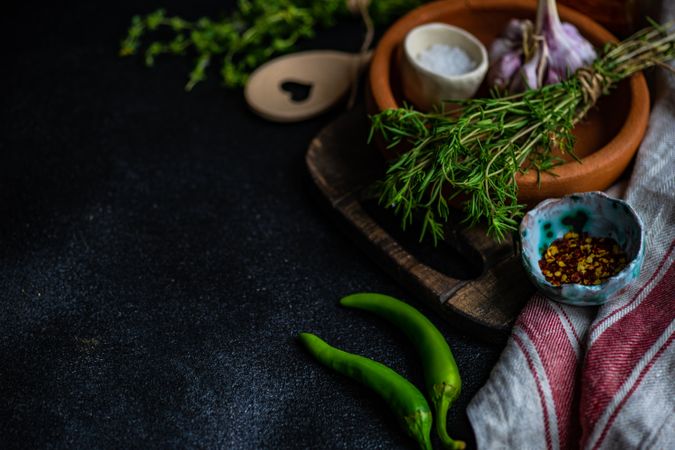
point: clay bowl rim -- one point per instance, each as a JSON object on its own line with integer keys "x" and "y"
{"x": 616, "y": 153}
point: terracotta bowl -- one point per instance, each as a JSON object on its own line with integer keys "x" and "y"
{"x": 606, "y": 140}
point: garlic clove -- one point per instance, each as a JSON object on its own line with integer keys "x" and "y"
{"x": 501, "y": 47}
{"x": 528, "y": 75}
{"x": 568, "y": 50}
{"x": 514, "y": 30}
{"x": 503, "y": 70}
{"x": 506, "y": 55}
{"x": 527, "y": 57}
{"x": 554, "y": 76}
{"x": 579, "y": 44}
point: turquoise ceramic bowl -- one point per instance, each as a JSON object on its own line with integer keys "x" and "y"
{"x": 596, "y": 214}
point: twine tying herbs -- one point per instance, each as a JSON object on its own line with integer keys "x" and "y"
{"x": 476, "y": 150}
{"x": 593, "y": 84}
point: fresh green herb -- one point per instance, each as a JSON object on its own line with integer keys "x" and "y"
{"x": 243, "y": 40}
{"x": 475, "y": 151}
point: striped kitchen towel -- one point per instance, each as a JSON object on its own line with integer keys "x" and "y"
{"x": 599, "y": 378}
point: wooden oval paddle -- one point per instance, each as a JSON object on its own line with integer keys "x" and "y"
{"x": 275, "y": 89}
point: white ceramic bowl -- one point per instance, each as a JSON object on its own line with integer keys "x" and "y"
{"x": 427, "y": 89}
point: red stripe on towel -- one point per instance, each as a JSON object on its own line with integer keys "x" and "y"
{"x": 637, "y": 294}
{"x": 543, "y": 325}
{"x": 613, "y": 356}
{"x": 530, "y": 364}
{"x": 643, "y": 372}
{"x": 569, "y": 322}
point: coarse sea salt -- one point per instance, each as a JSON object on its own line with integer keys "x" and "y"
{"x": 446, "y": 60}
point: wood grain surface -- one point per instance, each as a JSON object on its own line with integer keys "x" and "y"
{"x": 343, "y": 165}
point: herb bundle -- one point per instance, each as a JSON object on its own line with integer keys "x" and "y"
{"x": 243, "y": 40}
{"x": 476, "y": 150}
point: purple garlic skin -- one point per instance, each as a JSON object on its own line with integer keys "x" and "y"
{"x": 528, "y": 76}
{"x": 505, "y": 55}
{"x": 501, "y": 74}
{"x": 568, "y": 51}
{"x": 554, "y": 51}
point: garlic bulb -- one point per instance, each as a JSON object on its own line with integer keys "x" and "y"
{"x": 528, "y": 57}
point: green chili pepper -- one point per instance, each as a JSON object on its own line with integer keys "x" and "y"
{"x": 407, "y": 402}
{"x": 440, "y": 370}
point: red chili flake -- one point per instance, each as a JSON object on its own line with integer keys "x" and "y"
{"x": 582, "y": 259}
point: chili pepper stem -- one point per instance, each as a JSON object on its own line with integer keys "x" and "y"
{"x": 415, "y": 426}
{"x": 444, "y": 396}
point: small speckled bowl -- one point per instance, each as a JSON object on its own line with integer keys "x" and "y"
{"x": 596, "y": 214}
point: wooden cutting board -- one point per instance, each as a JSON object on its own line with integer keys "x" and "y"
{"x": 343, "y": 165}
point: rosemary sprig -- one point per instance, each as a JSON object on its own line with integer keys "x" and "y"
{"x": 475, "y": 151}
{"x": 243, "y": 40}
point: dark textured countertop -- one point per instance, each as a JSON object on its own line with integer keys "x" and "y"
{"x": 160, "y": 250}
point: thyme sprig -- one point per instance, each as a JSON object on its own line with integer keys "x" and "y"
{"x": 474, "y": 152}
{"x": 246, "y": 38}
